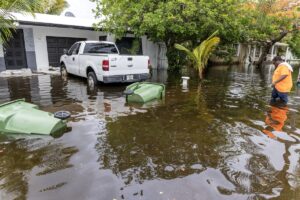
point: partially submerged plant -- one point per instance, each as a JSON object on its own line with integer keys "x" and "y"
{"x": 200, "y": 55}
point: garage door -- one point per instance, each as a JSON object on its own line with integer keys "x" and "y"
{"x": 14, "y": 51}
{"x": 56, "y": 46}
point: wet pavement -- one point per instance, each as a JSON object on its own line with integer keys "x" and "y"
{"x": 218, "y": 140}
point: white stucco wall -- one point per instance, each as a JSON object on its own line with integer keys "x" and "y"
{"x": 40, "y": 33}
{"x": 40, "y": 43}
{"x": 110, "y": 38}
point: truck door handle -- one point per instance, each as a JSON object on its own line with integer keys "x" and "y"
{"x": 129, "y": 59}
{"x": 130, "y": 65}
{"x": 73, "y": 59}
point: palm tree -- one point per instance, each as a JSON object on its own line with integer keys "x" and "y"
{"x": 200, "y": 55}
{"x": 52, "y": 7}
{"x": 7, "y": 25}
{"x": 7, "y": 21}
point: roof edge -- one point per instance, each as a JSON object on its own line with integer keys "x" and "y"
{"x": 56, "y": 25}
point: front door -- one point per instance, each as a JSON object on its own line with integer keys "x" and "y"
{"x": 14, "y": 51}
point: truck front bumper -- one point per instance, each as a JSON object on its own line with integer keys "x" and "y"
{"x": 125, "y": 78}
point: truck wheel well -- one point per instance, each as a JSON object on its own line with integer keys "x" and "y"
{"x": 88, "y": 70}
{"x": 62, "y": 63}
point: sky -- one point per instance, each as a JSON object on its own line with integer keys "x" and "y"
{"x": 81, "y": 8}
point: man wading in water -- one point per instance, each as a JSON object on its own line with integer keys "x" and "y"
{"x": 282, "y": 80}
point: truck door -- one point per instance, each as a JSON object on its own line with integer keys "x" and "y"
{"x": 73, "y": 59}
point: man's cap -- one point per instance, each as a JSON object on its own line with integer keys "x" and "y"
{"x": 277, "y": 58}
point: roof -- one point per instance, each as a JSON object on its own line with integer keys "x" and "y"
{"x": 95, "y": 41}
{"x": 54, "y": 20}
{"x": 281, "y": 44}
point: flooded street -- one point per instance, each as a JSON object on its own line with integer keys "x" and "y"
{"x": 218, "y": 140}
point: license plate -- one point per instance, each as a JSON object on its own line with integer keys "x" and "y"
{"x": 129, "y": 77}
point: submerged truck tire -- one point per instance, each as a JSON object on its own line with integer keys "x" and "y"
{"x": 92, "y": 79}
{"x": 63, "y": 70}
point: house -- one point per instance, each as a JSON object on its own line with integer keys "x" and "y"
{"x": 39, "y": 41}
{"x": 255, "y": 50}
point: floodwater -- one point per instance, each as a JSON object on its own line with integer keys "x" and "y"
{"x": 217, "y": 140}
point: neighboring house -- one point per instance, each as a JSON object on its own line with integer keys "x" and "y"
{"x": 248, "y": 53}
{"x": 39, "y": 41}
{"x": 254, "y": 51}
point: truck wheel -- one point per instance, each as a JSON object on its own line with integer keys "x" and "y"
{"x": 63, "y": 71}
{"x": 92, "y": 79}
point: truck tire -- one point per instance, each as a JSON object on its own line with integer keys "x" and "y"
{"x": 63, "y": 70}
{"x": 92, "y": 79}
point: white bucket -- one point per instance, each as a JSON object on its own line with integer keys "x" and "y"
{"x": 185, "y": 84}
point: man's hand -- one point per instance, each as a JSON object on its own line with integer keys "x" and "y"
{"x": 273, "y": 85}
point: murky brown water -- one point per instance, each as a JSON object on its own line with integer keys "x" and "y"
{"x": 219, "y": 140}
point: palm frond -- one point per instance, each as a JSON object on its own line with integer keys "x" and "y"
{"x": 201, "y": 53}
{"x": 57, "y": 7}
{"x": 187, "y": 51}
{"x": 7, "y": 26}
{"x": 208, "y": 47}
{"x": 213, "y": 35}
{"x": 22, "y": 6}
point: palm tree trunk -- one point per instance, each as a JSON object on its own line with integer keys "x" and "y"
{"x": 200, "y": 73}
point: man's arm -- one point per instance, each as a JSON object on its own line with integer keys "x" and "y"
{"x": 280, "y": 79}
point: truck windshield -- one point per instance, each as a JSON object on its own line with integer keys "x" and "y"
{"x": 100, "y": 48}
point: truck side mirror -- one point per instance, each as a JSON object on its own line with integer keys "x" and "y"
{"x": 65, "y": 51}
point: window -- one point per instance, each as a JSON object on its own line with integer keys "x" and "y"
{"x": 74, "y": 50}
{"x": 129, "y": 45}
{"x": 103, "y": 38}
{"x": 100, "y": 48}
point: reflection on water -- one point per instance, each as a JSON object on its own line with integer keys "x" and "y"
{"x": 275, "y": 119}
{"x": 219, "y": 140}
{"x": 19, "y": 158}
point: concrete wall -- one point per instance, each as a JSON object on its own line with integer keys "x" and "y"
{"x": 150, "y": 49}
{"x": 2, "y": 61}
{"x": 110, "y": 38}
{"x": 30, "y": 48}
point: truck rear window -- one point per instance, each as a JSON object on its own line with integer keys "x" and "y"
{"x": 100, "y": 48}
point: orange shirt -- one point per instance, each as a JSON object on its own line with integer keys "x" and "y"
{"x": 286, "y": 84}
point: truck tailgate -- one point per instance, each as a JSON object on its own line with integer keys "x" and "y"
{"x": 123, "y": 64}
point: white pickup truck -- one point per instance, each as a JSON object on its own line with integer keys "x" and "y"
{"x": 101, "y": 61}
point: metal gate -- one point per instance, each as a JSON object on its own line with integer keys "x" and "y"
{"x": 14, "y": 51}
